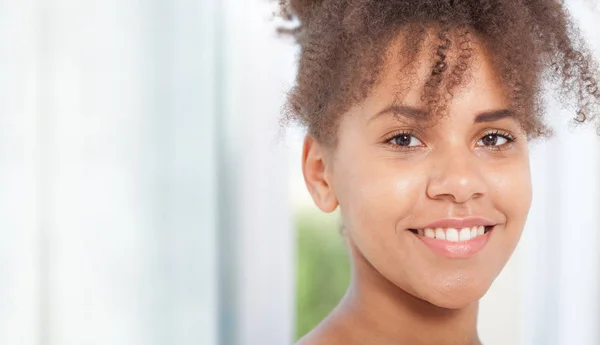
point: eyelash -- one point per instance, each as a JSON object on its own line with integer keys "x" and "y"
{"x": 496, "y": 132}
{"x": 506, "y": 135}
{"x": 394, "y": 135}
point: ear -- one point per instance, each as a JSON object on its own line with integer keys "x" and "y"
{"x": 317, "y": 176}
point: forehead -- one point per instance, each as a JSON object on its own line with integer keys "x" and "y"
{"x": 468, "y": 86}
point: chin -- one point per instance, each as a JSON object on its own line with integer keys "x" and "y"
{"x": 456, "y": 297}
{"x": 454, "y": 303}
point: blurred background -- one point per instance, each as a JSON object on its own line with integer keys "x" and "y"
{"x": 149, "y": 196}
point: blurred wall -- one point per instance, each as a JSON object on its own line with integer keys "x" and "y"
{"x": 143, "y": 200}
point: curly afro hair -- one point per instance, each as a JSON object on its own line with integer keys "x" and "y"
{"x": 532, "y": 44}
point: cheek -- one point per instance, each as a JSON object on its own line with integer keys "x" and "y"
{"x": 375, "y": 197}
{"x": 511, "y": 191}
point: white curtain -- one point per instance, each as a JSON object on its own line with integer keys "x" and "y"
{"x": 142, "y": 200}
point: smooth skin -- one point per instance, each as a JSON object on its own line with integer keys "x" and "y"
{"x": 392, "y": 170}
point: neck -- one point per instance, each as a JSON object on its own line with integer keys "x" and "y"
{"x": 376, "y": 311}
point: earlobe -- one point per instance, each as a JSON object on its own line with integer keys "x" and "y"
{"x": 316, "y": 176}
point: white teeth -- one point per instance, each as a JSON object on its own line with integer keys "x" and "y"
{"x": 465, "y": 234}
{"x": 429, "y": 233}
{"x": 452, "y": 235}
{"x": 439, "y": 234}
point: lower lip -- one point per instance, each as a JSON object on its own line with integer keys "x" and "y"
{"x": 456, "y": 250}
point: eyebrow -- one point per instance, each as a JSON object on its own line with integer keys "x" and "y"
{"x": 494, "y": 115}
{"x": 420, "y": 115}
{"x": 402, "y": 110}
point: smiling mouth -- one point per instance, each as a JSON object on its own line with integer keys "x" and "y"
{"x": 453, "y": 234}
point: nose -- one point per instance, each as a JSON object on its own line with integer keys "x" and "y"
{"x": 456, "y": 176}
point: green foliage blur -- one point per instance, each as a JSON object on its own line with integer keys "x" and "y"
{"x": 323, "y": 268}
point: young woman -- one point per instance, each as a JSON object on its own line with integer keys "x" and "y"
{"x": 419, "y": 114}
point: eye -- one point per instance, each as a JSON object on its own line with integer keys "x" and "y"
{"x": 493, "y": 140}
{"x": 496, "y": 139}
{"x": 405, "y": 139}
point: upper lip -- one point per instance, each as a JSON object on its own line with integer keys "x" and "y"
{"x": 459, "y": 223}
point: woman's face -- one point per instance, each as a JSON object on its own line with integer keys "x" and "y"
{"x": 416, "y": 196}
